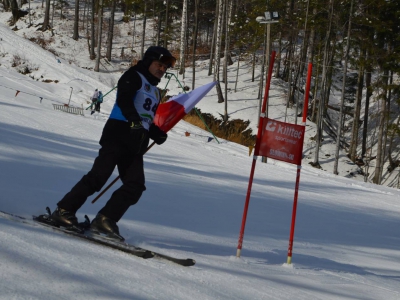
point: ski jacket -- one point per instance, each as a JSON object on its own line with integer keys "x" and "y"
{"x": 117, "y": 128}
{"x": 145, "y": 102}
{"x": 95, "y": 95}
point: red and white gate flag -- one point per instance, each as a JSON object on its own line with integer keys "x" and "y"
{"x": 282, "y": 141}
{"x": 172, "y": 111}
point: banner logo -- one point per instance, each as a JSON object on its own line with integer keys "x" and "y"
{"x": 282, "y": 141}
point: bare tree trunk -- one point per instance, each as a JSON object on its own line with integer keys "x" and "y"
{"x": 84, "y": 15}
{"x": 311, "y": 40}
{"x": 14, "y": 11}
{"x": 237, "y": 71}
{"x": 227, "y": 54}
{"x": 315, "y": 98}
{"x": 381, "y": 130}
{"x": 75, "y": 35}
{"x": 323, "y": 88}
{"x": 6, "y": 5}
{"x": 29, "y": 12}
{"x": 195, "y": 31}
{"x": 392, "y": 163}
{"x": 261, "y": 83}
{"x": 218, "y": 40}
{"x": 368, "y": 95}
{"x": 253, "y": 67}
{"x": 385, "y": 152}
{"x": 159, "y": 26}
{"x": 134, "y": 30}
{"x": 278, "y": 60}
{"x": 218, "y": 50}
{"x": 213, "y": 41}
{"x": 331, "y": 55}
{"x": 183, "y": 37}
{"x": 357, "y": 112}
{"x": 166, "y": 27}
{"x": 301, "y": 58}
{"x": 290, "y": 61}
{"x": 317, "y": 84}
{"x": 144, "y": 29}
{"x": 286, "y": 62}
{"x": 99, "y": 33}
{"x": 111, "y": 31}
{"x": 52, "y": 14}
{"x": 339, "y": 130}
{"x": 46, "y": 21}
{"x": 92, "y": 40}
{"x": 61, "y": 7}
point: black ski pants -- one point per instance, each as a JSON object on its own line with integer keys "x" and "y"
{"x": 130, "y": 167}
{"x": 97, "y": 106}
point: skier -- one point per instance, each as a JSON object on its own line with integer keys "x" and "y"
{"x": 123, "y": 142}
{"x": 99, "y": 101}
{"x": 94, "y": 100}
{"x": 95, "y": 96}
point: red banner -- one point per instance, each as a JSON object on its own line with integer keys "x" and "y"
{"x": 282, "y": 141}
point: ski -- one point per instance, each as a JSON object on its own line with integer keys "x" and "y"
{"x": 186, "y": 262}
{"x": 121, "y": 246}
{"x": 83, "y": 233}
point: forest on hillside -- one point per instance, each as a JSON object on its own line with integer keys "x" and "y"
{"x": 353, "y": 46}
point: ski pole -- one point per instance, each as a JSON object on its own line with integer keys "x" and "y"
{"x": 116, "y": 179}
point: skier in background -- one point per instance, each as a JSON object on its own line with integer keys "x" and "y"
{"x": 94, "y": 101}
{"x": 99, "y": 101}
{"x": 124, "y": 140}
{"x": 95, "y": 96}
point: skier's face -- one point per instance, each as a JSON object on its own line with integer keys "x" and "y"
{"x": 158, "y": 69}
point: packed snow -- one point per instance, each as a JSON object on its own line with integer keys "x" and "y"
{"x": 346, "y": 244}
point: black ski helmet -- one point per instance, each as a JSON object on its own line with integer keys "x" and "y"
{"x": 161, "y": 54}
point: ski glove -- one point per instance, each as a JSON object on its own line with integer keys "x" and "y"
{"x": 139, "y": 137}
{"x": 157, "y": 135}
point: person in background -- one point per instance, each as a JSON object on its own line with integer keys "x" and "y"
{"x": 124, "y": 141}
{"x": 94, "y": 100}
{"x": 99, "y": 101}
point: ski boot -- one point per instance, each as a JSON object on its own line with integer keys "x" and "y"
{"x": 66, "y": 219}
{"x": 62, "y": 218}
{"x": 103, "y": 225}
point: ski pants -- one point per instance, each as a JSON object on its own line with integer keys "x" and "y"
{"x": 130, "y": 168}
{"x": 93, "y": 105}
{"x": 97, "y": 106}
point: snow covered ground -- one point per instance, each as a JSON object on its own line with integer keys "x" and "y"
{"x": 347, "y": 241}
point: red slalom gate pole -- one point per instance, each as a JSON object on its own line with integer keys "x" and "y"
{"x": 256, "y": 151}
{"x": 291, "y": 237}
{"x": 296, "y": 190}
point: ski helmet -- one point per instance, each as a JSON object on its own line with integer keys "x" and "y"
{"x": 161, "y": 54}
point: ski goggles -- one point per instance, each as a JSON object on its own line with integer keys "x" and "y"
{"x": 167, "y": 60}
